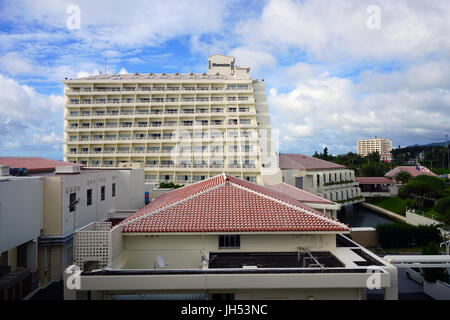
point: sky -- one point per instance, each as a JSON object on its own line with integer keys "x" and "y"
{"x": 335, "y": 71}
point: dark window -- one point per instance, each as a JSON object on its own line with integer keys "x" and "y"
{"x": 72, "y": 198}
{"x": 113, "y": 192}
{"x": 229, "y": 242}
{"x": 299, "y": 182}
{"x": 102, "y": 193}
{"x": 89, "y": 197}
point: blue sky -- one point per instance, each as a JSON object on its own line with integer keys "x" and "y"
{"x": 330, "y": 77}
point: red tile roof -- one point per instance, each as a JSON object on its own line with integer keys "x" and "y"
{"x": 227, "y": 204}
{"x": 33, "y": 163}
{"x": 411, "y": 169}
{"x": 373, "y": 180}
{"x": 301, "y": 161}
{"x": 299, "y": 194}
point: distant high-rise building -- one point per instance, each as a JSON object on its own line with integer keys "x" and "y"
{"x": 184, "y": 128}
{"x": 380, "y": 145}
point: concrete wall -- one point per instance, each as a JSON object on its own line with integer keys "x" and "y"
{"x": 20, "y": 211}
{"x": 183, "y": 251}
{"x": 52, "y": 222}
{"x": 366, "y": 237}
{"x": 131, "y": 189}
{"x": 98, "y": 210}
{"x": 52, "y": 260}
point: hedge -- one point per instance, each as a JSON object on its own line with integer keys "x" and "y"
{"x": 391, "y": 235}
{"x": 443, "y": 206}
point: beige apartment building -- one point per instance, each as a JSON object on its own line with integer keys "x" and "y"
{"x": 183, "y": 128}
{"x": 380, "y": 145}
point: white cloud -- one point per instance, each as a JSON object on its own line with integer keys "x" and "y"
{"x": 254, "y": 58}
{"x": 334, "y": 30}
{"x": 336, "y": 111}
{"x": 130, "y": 23}
{"x": 28, "y": 118}
{"x": 15, "y": 64}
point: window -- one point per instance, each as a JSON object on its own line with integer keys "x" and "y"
{"x": 72, "y": 203}
{"x": 102, "y": 193}
{"x": 229, "y": 242}
{"x": 113, "y": 192}
{"x": 89, "y": 197}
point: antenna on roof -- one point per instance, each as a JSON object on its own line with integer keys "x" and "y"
{"x": 105, "y": 64}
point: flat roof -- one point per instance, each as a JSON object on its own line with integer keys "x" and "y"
{"x": 154, "y": 76}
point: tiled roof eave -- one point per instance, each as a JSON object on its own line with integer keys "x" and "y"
{"x": 173, "y": 233}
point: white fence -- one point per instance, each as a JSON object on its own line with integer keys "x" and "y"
{"x": 97, "y": 243}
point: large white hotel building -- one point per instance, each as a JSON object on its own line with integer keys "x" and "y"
{"x": 182, "y": 128}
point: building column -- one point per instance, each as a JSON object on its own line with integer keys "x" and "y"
{"x": 391, "y": 292}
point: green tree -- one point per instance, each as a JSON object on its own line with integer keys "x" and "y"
{"x": 423, "y": 187}
{"x": 403, "y": 177}
{"x": 442, "y": 207}
{"x": 433, "y": 274}
{"x": 325, "y": 153}
{"x": 373, "y": 157}
{"x": 375, "y": 169}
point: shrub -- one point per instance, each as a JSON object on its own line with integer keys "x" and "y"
{"x": 433, "y": 274}
{"x": 170, "y": 185}
{"x": 442, "y": 206}
{"x": 403, "y": 235}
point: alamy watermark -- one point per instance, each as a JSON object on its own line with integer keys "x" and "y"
{"x": 374, "y": 20}
{"x": 73, "y": 282}
{"x": 73, "y": 22}
{"x": 374, "y": 280}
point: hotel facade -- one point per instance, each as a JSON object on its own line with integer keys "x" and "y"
{"x": 380, "y": 145}
{"x": 181, "y": 128}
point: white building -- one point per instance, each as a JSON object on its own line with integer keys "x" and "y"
{"x": 21, "y": 209}
{"x": 70, "y": 198}
{"x": 382, "y": 146}
{"x": 323, "y": 178}
{"x": 224, "y": 238}
{"x": 183, "y": 128}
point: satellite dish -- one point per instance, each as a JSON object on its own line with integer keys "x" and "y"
{"x": 160, "y": 263}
